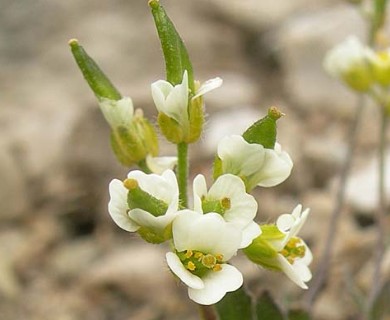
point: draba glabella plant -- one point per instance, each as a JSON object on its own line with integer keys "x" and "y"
{"x": 153, "y": 202}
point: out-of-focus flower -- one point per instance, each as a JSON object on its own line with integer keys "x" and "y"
{"x": 203, "y": 244}
{"x": 349, "y": 61}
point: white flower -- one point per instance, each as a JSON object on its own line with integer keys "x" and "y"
{"x": 227, "y": 196}
{"x": 349, "y": 62}
{"x": 278, "y": 248}
{"x": 294, "y": 265}
{"x": 160, "y": 164}
{"x": 173, "y": 100}
{"x": 162, "y": 187}
{"x": 117, "y": 113}
{"x": 203, "y": 244}
{"x": 260, "y": 166}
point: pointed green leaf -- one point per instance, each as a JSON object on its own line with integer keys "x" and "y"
{"x": 298, "y": 314}
{"x": 263, "y": 131}
{"x": 97, "y": 80}
{"x": 267, "y": 309}
{"x": 176, "y": 56}
{"x": 235, "y": 305}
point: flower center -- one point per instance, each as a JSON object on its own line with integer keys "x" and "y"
{"x": 294, "y": 249}
{"x": 219, "y": 206}
{"x": 199, "y": 263}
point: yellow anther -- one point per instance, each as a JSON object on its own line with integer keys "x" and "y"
{"x": 209, "y": 261}
{"x": 284, "y": 253}
{"x": 219, "y": 257}
{"x": 130, "y": 184}
{"x": 188, "y": 254}
{"x": 225, "y": 202}
{"x": 191, "y": 266}
{"x": 217, "y": 267}
{"x": 198, "y": 255}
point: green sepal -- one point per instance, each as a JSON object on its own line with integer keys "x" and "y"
{"x": 170, "y": 128}
{"x": 235, "y": 305}
{"x": 97, "y": 80}
{"x": 125, "y": 147}
{"x": 263, "y": 131}
{"x": 267, "y": 309}
{"x": 138, "y": 198}
{"x": 261, "y": 250}
{"x": 147, "y": 136}
{"x": 154, "y": 237}
{"x": 196, "y": 118}
{"x": 175, "y": 53}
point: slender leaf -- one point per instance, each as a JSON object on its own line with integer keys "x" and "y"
{"x": 235, "y": 305}
{"x": 267, "y": 309}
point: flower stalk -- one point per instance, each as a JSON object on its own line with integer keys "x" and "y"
{"x": 182, "y": 173}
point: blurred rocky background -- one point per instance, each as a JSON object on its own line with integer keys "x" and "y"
{"x": 61, "y": 256}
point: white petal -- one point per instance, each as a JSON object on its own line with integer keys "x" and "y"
{"x": 303, "y": 271}
{"x": 243, "y": 206}
{"x": 117, "y": 206}
{"x": 208, "y": 86}
{"x": 117, "y": 112}
{"x": 160, "y": 91}
{"x": 146, "y": 219}
{"x": 276, "y": 168}
{"x": 216, "y": 285}
{"x": 285, "y": 222}
{"x": 208, "y": 233}
{"x": 199, "y": 191}
{"x": 240, "y": 157}
{"x": 290, "y": 272}
{"x": 249, "y": 233}
{"x": 179, "y": 270}
{"x": 160, "y": 164}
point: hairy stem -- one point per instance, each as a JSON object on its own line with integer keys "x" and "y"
{"x": 324, "y": 261}
{"x": 182, "y": 172}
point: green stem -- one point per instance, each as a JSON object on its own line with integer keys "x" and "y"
{"x": 143, "y": 166}
{"x": 182, "y": 172}
{"x": 380, "y": 215}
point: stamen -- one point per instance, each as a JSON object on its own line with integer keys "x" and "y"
{"x": 217, "y": 268}
{"x": 225, "y": 202}
{"x": 130, "y": 184}
{"x": 188, "y": 254}
{"x": 219, "y": 257}
{"x": 198, "y": 255}
{"x": 191, "y": 266}
{"x": 209, "y": 261}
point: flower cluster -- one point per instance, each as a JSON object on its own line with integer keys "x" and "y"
{"x": 361, "y": 68}
{"x": 221, "y": 219}
{"x": 153, "y": 201}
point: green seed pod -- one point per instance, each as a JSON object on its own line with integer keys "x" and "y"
{"x": 264, "y": 130}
